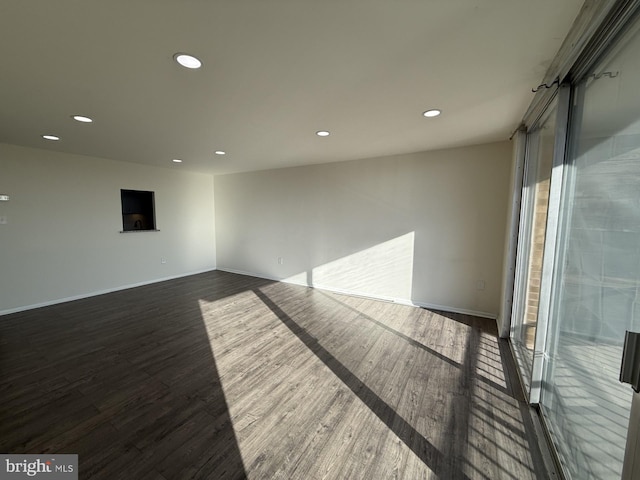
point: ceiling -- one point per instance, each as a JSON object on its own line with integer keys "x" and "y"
{"x": 274, "y": 72}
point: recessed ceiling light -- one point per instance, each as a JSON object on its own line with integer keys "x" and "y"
{"x": 51, "y": 137}
{"x": 432, "y": 113}
{"x": 187, "y": 61}
{"x": 82, "y": 119}
{"x": 177, "y": 160}
{"x": 220, "y": 152}
{"x": 322, "y": 133}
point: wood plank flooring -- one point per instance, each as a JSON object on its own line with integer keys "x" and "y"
{"x": 226, "y": 376}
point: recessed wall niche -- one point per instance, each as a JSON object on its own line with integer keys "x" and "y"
{"x": 138, "y": 211}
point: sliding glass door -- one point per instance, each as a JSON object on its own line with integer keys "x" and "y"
{"x": 595, "y": 294}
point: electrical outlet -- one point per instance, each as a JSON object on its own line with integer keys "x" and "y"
{"x": 481, "y": 284}
{"x": 4, "y": 198}
{"x": 163, "y": 260}
{"x": 4, "y": 220}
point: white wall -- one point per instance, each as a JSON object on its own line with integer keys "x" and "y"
{"x": 422, "y": 228}
{"x": 62, "y": 238}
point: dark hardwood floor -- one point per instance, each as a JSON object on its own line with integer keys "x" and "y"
{"x": 221, "y": 375}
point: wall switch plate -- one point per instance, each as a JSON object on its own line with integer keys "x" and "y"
{"x": 280, "y": 261}
{"x": 481, "y": 284}
{"x": 4, "y": 220}
{"x": 163, "y": 260}
{"x": 4, "y": 198}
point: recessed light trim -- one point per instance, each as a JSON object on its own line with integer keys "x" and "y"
{"x": 176, "y": 160}
{"x": 187, "y": 61}
{"x": 53, "y": 138}
{"x": 434, "y": 112}
{"x": 322, "y": 133}
{"x": 220, "y": 152}
{"x": 82, "y": 119}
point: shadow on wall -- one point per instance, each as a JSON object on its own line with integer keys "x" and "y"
{"x": 387, "y": 271}
{"x": 383, "y": 271}
{"x": 422, "y": 228}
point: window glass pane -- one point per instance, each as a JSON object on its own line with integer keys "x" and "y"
{"x": 596, "y": 289}
{"x": 540, "y": 143}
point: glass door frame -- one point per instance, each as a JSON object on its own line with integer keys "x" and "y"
{"x": 532, "y": 384}
{"x": 554, "y": 213}
{"x": 525, "y": 227}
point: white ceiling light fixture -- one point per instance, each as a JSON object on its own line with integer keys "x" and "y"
{"x": 434, "y": 112}
{"x": 82, "y": 119}
{"x": 220, "y": 152}
{"x": 53, "y": 138}
{"x": 187, "y": 61}
{"x": 177, "y": 160}
{"x": 322, "y": 133}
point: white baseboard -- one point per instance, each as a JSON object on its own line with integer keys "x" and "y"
{"x": 257, "y": 275}
{"x": 401, "y": 301}
{"x": 100, "y": 292}
{"x": 463, "y": 311}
